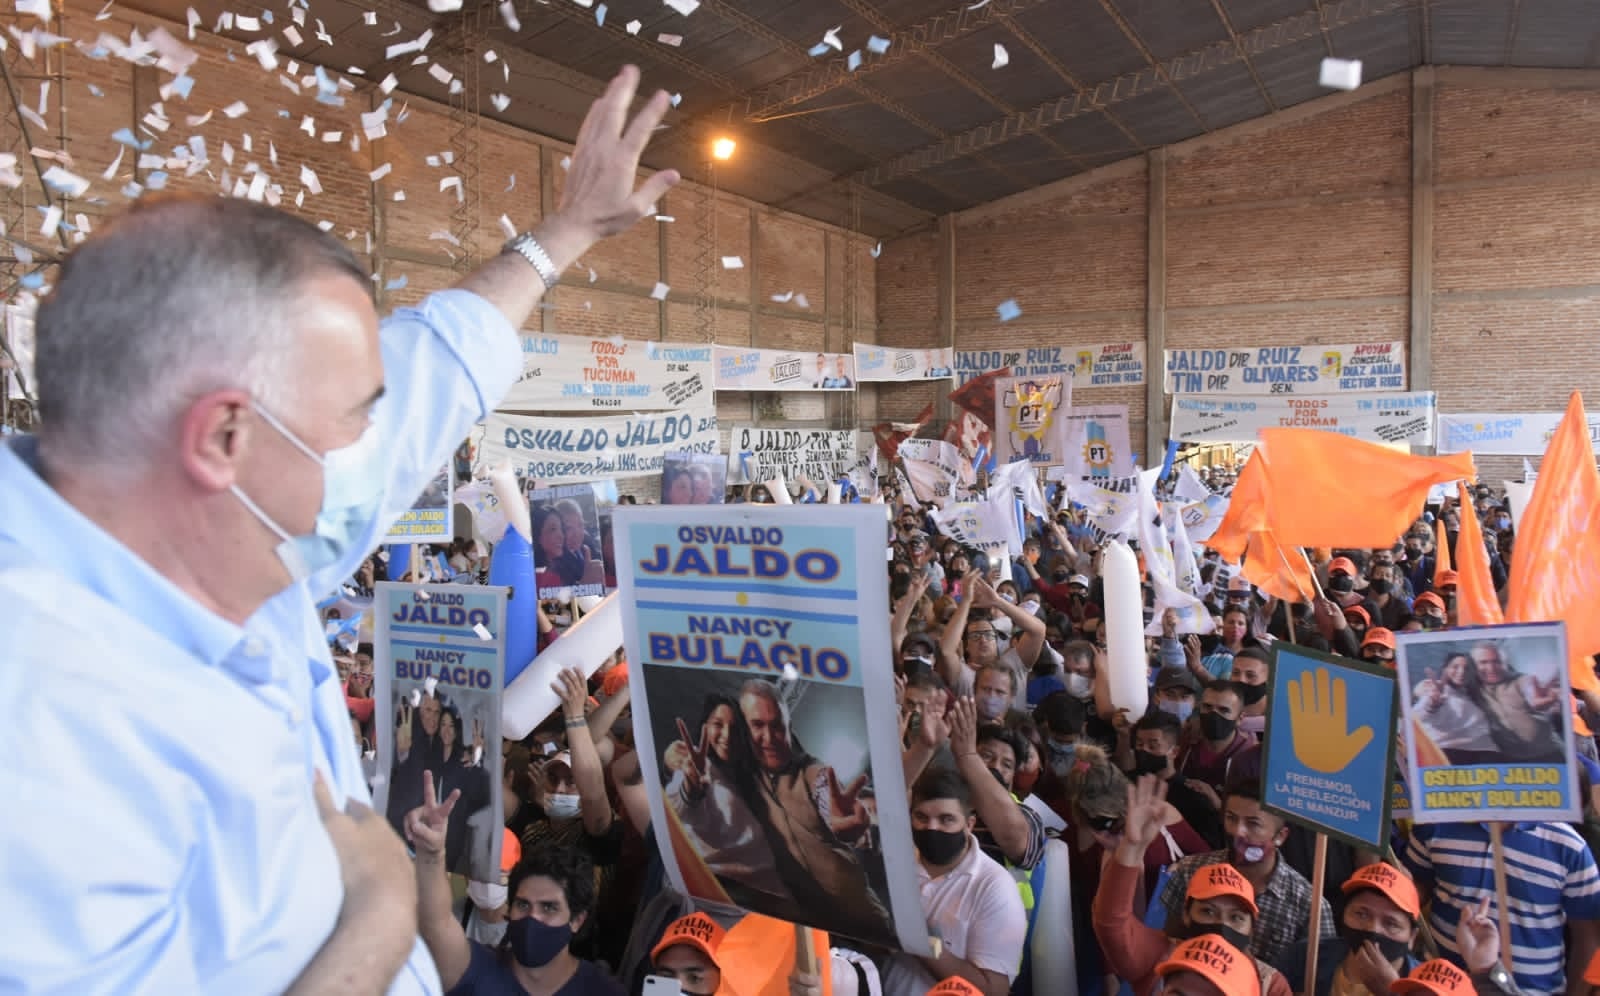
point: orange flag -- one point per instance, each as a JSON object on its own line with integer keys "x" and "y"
{"x": 1331, "y": 490}
{"x": 1476, "y": 601}
{"x": 1553, "y": 563}
{"x": 1247, "y": 510}
{"x": 1282, "y": 572}
{"x": 1441, "y": 551}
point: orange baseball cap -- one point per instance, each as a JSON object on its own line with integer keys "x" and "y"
{"x": 1446, "y": 576}
{"x": 1218, "y": 962}
{"x": 1357, "y": 612}
{"x": 1435, "y": 978}
{"x": 1211, "y": 881}
{"x": 1429, "y": 598}
{"x": 1380, "y": 636}
{"x": 955, "y": 986}
{"x": 696, "y": 930}
{"x": 1342, "y": 564}
{"x": 1390, "y": 882}
{"x": 510, "y": 850}
{"x": 1591, "y": 974}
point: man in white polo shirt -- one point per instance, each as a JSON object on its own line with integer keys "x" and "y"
{"x": 971, "y": 902}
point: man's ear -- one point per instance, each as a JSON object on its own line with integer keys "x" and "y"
{"x": 212, "y": 433}
{"x": 578, "y": 922}
{"x": 972, "y": 822}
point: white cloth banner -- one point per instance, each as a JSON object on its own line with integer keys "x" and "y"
{"x": 1173, "y": 571}
{"x": 975, "y": 523}
{"x": 758, "y": 455}
{"x": 1311, "y": 369}
{"x": 1189, "y": 487}
{"x": 883, "y": 363}
{"x": 931, "y": 483}
{"x": 1026, "y": 410}
{"x": 941, "y": 454}
{"x": 1022, "y": 481}
{"x": 563, "y": 450}
{"x": 1095, "y": 442}
{"x": 1377, "y": 418}
{"x": 1519, "y": 434}
{"x": 740, "y": 369}
{"x": 1112, "y": 506}
{"x": 576, "y": 373}
{"x": 1107, "y": 365}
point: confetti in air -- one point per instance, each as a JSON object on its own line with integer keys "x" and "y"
{"x": 1001, "y": 57}
{"x": 1008, "y": 310}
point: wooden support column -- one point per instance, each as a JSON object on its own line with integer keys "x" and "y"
{"x": 1155, "y": 306}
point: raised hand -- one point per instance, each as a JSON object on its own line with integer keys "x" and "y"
{"x": 935, "y": 730}
{"x": 402, "y": 730}
{"x": 963, "y": 720}
{"x": 599, "y": 196}
{"x": 1478, "y": 938}
{"x": 573, "y": 691}
{"x": 1147, "y": 803}
{"x": 1433, "y": 688}
{"x": 427, "y": 825}
{"x": 684, "y": 756}
{"x": 899, "y": 691}
{"x": 847, "y": 816}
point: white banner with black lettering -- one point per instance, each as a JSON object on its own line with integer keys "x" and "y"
{"x": 1378, "y": 418}
{"x": 758, "y": 455}
{"x": 1106, "y": 365}
{"x": 741, "y": 369}
{"x": 1312, "y": 369}
{"x": 562, "y": 450}
{"x": 884, "y": 363}
{"x": 576, "y": 373}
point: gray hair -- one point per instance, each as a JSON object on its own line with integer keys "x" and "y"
{"x": 180, "y": 296}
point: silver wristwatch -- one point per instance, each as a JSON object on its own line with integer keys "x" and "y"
{"x": 526, "y": 246}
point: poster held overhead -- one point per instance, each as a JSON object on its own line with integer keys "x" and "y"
{"x": 1486, "y": 711}
{"x": 428, "y": 520}
{"x": 751, "y": 636}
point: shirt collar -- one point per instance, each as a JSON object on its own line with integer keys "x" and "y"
{"x": 55, "y": 536}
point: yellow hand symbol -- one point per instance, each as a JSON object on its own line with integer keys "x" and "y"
{"x": 1317, "y": 716}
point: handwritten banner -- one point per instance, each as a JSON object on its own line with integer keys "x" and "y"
{"x": 1522, "y": 434}
{"x": 881, "y": 363}
{"x": 759, "y": 455}
{"x": 1382, "y": 418}
{"x": 1367, "y": 366}
{"x": 576, "y": 373}
{"x": 563, "y": 450}
{"x": 778, "y": 370}
{"x": 1107, "y": 365}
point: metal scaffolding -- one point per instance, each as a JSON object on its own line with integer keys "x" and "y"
{"x": 466, "y": 119}
{"x": 706, "y": 263}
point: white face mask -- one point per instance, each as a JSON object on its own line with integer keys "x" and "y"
{"x": 352, "y": 491}
{"x": 1079, "y": 686}
{"x": 562, "y": 807}
{"x": 486, "y": 895}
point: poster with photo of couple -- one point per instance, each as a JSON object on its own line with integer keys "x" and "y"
{"x": 1488, "y": 732}
{"x": 750, "y": 633}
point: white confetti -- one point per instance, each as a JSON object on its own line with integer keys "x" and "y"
{"x": 665, "y": 219}
{"x": 853, "y": 60}
{"x": 676, "y": 99}
{"x": 877, "y": 250}
{"x": 791, "y": 673}
{"x": 236, "y": 109}
{"x": 783, "y": 298}
{"x": 198, "y": 120}
{"x": 732, "y": 263}
{"x": 52, "y": 218}
{"x": 444, "y": 6}
{"x": 600, "y": 15}
{"x": 508, "y": 14}
{"x": 380, "y": 172}
{"x": 193, "y": 18}
{"x": 452, "y": 181}
{"x": 566, "y": 163}
{"x": 500, "y": 101}
{"x": 684, "y": 7}
{"x": 416, "y": 697}
{"x": 830, "y": 38}
{"x": 388, "y": 84}
{"x": 800, "y": 301}
{"x": 1008, "y": 310}
{"x": 507, "y": 227}
{"x": 632, "y": 27}
{"x": 660, "y": 292}
{"x": 483, "y": 633}
{"x": 877, "y": 46}
{"x": 39, "y": 9}
{"x": 370, "y": 18}
{"x": 432, "y": 684}
{"x": 593, "y": 276}
{"x": 68, "y": 183}
{"x": 440, "y": 73}
{"x": 308, "y": 179}
{"x": 1340, "y": 74}
{"x": 244, "y": 23}
{"x": 265, "y": 50}
{"x": 1001, "y": 57}
{"x": 333, "y": 137}
{"x": 116, "y": 164}
{"x": 673, "y": 40}
{"x": 292, "y": 34}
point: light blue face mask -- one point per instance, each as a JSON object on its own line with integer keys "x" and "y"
{"x": 1178, "y": 709}
{"x": 352, "y": 489}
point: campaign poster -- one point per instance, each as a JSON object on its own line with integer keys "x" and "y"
{"x": 754, "y": 636}
{"x": 884, "y": 363}
{"x": 1487, "y": 737}
{"x": 1329, "y": 740}
{"x": 438, "y": 669}
{"x": 568, "y": 558}
{"x": 578, "y": 373}
{"x": 1114, "y": 364}
{"x": 1309, "y": 369}
{"x": 756, "y": 455}
{"x": 741, "y": 369}
{"x": 1026, "y": 410}
{"x": 1035, "y": 361}
{"x": 1095, "y": 442}
{"x": 694, "y": 479}
{"x": 428, "y": 520}
{"x": 1524, "y": 434}
{"x": 1404, "y": 419}
{"x": 558, "y": 450}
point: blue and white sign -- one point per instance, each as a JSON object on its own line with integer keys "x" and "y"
{"x": 1328, "y": 752}
{"x": 1509, "y": 434}
{"x": 1311, "y": 369}
{"x": 568, "y": 450}
{"x": 885, "y": 363}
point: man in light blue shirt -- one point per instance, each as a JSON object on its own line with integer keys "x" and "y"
{"x": 226, "y": 434}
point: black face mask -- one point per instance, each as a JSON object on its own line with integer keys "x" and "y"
{"x": 536, "y": 944}
{"x": 1146, "y": 763}
{"x": 1431, "y": 622}
{"x": 1216, "y": 726}
{"x": 1232, "y": 936}
{"x": 939, "y": 847}
{"x": 1342, "y": 583}
{"x": 1413, "y": 553}
{"x": 1379, "y": 586}
{"x": 1254, "y": 693}
{"x": 1391, "y": 949}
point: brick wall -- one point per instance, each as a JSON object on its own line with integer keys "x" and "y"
{"x": 402, "y": 225}
{"x": 1297, "y": 229}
